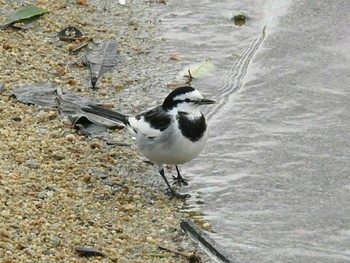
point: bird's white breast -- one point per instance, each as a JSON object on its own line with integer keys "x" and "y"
{"x": 171, "y": 147}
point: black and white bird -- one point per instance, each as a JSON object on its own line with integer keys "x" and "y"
{"x": 172, "y": 133}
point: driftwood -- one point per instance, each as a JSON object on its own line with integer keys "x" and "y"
{"x": 213, "y": 248}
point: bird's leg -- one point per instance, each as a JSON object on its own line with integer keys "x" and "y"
{"x": 179, "y": 179}
{"x": 172, "y": 191}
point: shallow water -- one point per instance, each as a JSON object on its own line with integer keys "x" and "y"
{"x": 274, "y": 178}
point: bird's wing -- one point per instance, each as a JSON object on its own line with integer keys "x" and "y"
{"x": 151, "y": 123}
{"x": 106, "y": 113}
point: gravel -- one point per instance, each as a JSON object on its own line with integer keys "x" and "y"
{"x": 58, "y": 189}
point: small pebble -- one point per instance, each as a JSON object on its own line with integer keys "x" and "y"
{"x": 2, "y": 87}
{"x": 56, "y": 241}
{"x": 29, "y": 252}
{"x": 7, "y": 46}
{"x": 124, "y": 190}
{"x": 137, "y": 197}
{"x": 89, "y": 251}
{"x": 4, "y": 233}
{"x": 206, "y": 225}
{"x": 17, "y": 118}
{"x": 100, "y": 175}
{"x": 42, "y": 196}
{"x": 32, "y": 163}
{"x": 72, "y": 82}
{"x": 70, "y": 137}
{"x": 128, "y": 207}
{"x": 50, "y": 188}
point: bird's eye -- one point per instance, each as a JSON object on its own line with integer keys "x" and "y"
{"x": 187, "y": 100}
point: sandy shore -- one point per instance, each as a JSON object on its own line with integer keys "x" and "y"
{"x": 52, "y": 198}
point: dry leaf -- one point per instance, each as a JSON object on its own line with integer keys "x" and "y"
{"x": 102, "y": 59}
{"x": 82, "y": 2}
{"x": 175, "y": 57}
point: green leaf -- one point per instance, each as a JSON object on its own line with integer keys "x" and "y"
{"x": 23, "y": 14}
{"x": 200, "y": 70}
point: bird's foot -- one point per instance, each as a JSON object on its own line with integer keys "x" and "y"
{"x": 178, "y": 195}
{"x": 179, "y": 180}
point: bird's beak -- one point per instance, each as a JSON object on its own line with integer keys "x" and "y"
{"x": 205, "y": 101}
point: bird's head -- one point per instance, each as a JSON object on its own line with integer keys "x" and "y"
{"x": 185, "y": 99}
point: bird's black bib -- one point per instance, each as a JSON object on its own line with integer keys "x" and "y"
{"x": 192, "y": 129}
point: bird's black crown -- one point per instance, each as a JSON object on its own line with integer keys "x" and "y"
{"x": 169, "y": 102}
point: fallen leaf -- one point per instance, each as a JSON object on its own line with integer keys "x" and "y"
{"x": 102, "y": 59}
{"x": 199, "y": 70}
{"x": 175, "y": 57}
{"x": 82, "y": 2}
{"x": 23, "y": 15}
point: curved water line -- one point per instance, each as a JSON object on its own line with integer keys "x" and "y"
{"x": 233, "y": 80}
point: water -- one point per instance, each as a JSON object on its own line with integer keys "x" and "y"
{"x": 274, "y": 178}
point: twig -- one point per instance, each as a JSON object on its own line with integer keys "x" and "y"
{"x": 193, "y": 257}
{"x": 190, "y": 78}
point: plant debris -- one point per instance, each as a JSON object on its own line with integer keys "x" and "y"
{"x": 192, "y": 257}
{"x": 239, "y": 19}
{"x": 199, "y": 70}
{"x": 101, "y": 59}
{"x": 23, "y": 15}
{"x": 70, "y": 33}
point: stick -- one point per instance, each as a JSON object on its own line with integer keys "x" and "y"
{"x": 193, "y": 257}
{"x": 205, "y": 240}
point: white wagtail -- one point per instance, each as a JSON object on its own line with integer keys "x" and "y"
{"x": 172, "y": 133}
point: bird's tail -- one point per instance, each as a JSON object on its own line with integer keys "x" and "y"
{"x": 108, "y": 114}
